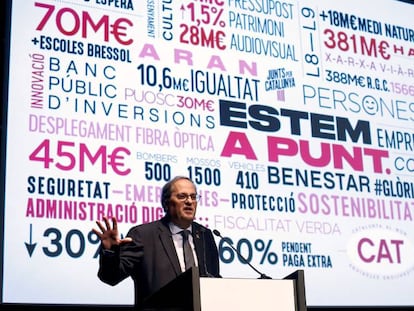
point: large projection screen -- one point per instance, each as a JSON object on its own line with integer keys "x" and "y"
{"x": 294, "y": 119}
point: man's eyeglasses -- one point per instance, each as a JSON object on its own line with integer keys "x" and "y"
{"x": 185, "y": 196}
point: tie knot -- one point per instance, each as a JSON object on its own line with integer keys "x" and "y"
{"x": 185, "y": 234}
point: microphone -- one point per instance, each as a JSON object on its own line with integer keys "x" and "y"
{"x": 262, "y": 275}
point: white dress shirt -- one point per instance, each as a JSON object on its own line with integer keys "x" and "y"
{"x": 178, "y": 243}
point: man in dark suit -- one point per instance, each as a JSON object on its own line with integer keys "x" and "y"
{"x": 152, "y": 254}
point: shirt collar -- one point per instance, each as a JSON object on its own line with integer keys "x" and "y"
{"x": 175, "y": 229}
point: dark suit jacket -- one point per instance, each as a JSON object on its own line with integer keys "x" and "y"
{"x": 151, "y": 259}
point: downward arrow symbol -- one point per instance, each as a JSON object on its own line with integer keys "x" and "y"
{"x": 30, "y": 246}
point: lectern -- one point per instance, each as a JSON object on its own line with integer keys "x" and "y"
{"x": 189, "y": 292}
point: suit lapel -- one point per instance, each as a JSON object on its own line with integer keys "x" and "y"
{"x": 167, "y": 243}
{"x": 198, "y": 238}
